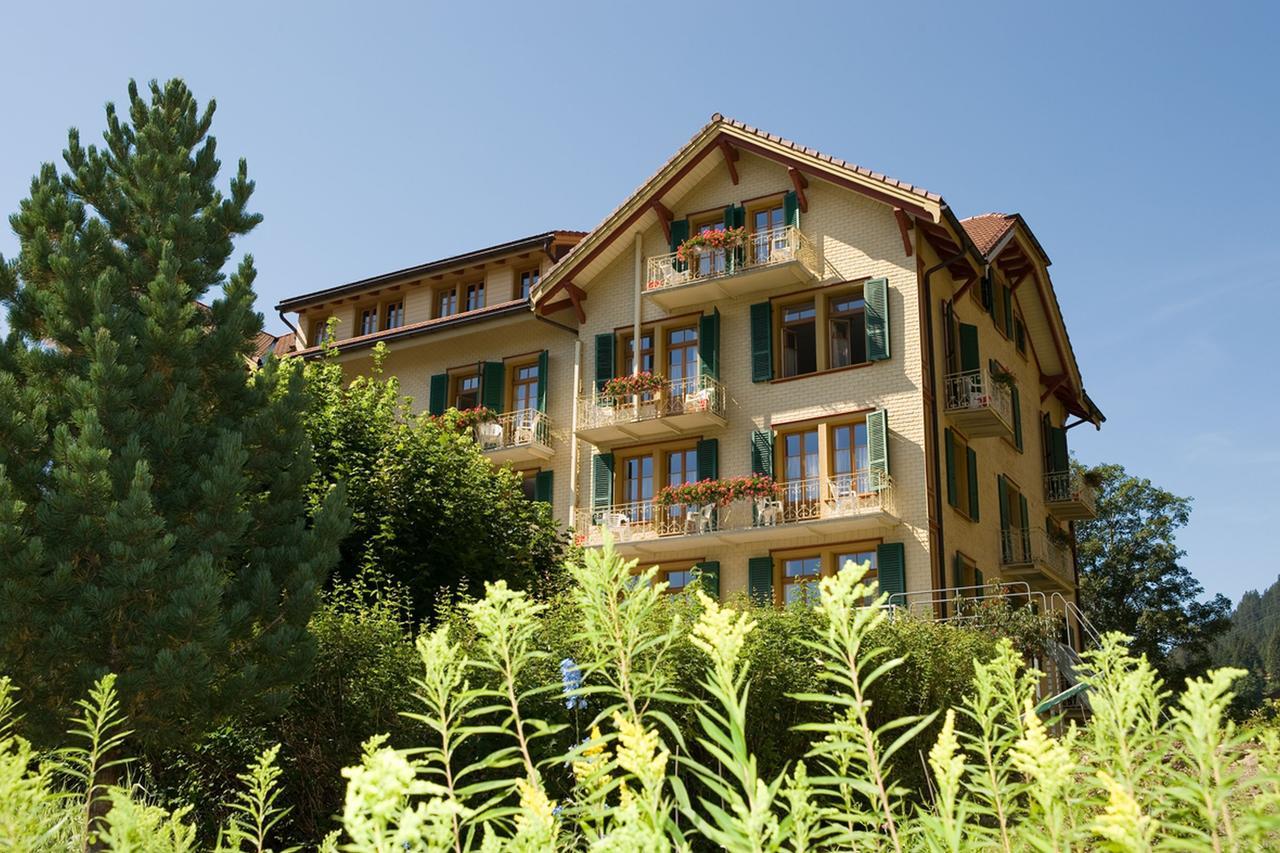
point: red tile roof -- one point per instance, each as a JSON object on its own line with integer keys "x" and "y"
{"x": 511, "y": 306}
{"x": 987, "y": 229}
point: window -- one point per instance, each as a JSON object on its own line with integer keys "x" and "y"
{"x": 475, "y": 296}
{"x": 858, "y": 557}
{"x": 368, "y": 320}
{"x": 799, "y": 339}
{"x": 711, "y": 262}
{"x": 466, "y": 391}
{"x": 638, "y": 486}
{"x": 393, "y": 315}
{"x": 526, "y": 280}
{"x": 766, "y": 231}
{"x": 1000, "y": 308}
{"x": 320, "y": 332}
{"x": 446, "y": 302}
{"x": 529, "y": 484}
{"x": 800, "y": 471}
{"x": 629, "y": 350}
{"x": 682, "y": 358}
{"x": 682, "y": 467}
{"x": 524, "y": 387}
{"x": 1019, "y": 334}
{"x": 847, "y": 330}
{"x": 677, "y": 579}
{"x": 965, "y": 574}
{"x": 1015, "y": 540}
{"x": 797, "y": 572}
{"x": 849, "y": 461}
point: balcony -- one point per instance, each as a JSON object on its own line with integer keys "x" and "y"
{"x": 519, "y": 437}
{"x": 769, "y": 259}
{"x": 1032, "y": 554}
{"x": 979, "y": 405}
{"x": 817, "y": 510}
{"x": 1068, "y": 497}
{"x": 680, "y": 407}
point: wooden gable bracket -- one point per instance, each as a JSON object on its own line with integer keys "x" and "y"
{"x": 904, "y": 225}
{"x": 800, "y": 182}
{"x": 577, "y": 296}
{"x": 968, "y": 283}
{"x": 664, "y": 217}
{"x": 730, "y": 158}
{"x": 1051, "y": 384}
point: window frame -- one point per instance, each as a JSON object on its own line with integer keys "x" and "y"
{"x": 512, "y": 368}
{"x": 829, "y": 554}
{"x": 822, "y": 298}
{"x": 385, "y": 311}
{"x": 535, "y": 273}
{"x": 456, "y": 378}
{"x": 960, "y": 445}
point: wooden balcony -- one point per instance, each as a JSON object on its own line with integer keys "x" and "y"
{"x": 518, "y": 437}
{"x": 1069, "y": 498}
{"x": 1031, "y": 554}
{"x": 769, "y": 260}
{"x": 978, "y": 405}
{"x": 819, "y": 510}
{"x": 681, "y": 407}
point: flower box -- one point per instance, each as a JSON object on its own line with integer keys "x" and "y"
{"x": 710, "y": 240}
{"x": 621, "y": 387}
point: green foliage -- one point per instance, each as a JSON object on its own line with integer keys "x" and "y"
{"x": 1132, "y": 579}
{"x": 429, "y": 510}
{"x": 153, "y": 499}
{"x": 1253, "y": 644}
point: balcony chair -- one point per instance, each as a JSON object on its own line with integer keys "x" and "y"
{"x": 697, "y": 401}
{"x": 490, "y": 435}
{"x": 768, "y": 512}
{"x": 700, "y": 520}
{"x": 618, "y": 524}
{"x": 524, "y": 430}
{"x": 844, "y": 497}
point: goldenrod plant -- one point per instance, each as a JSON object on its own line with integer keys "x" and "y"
{"x": 1143, "y": 770}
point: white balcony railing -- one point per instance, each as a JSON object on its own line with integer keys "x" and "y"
{"x": 1068, "y": 487}
{"x": 694, "y": 395}
{"x": 1023, "y": 547}
{"x": 774, "y": 247}
{"x": 866, "y": 493}
{"x": 521, "y": 428}
{"x": 976, "y": 391}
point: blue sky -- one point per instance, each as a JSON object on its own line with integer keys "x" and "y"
{"x": 1139, "y": 141}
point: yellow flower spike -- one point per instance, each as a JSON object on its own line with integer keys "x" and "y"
{"x": 720, "y": 632}
{"x": 640, "y": 751}
{"x": 1122, "y": 822}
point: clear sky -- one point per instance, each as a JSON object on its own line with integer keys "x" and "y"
{"x": 1139, "y": 140}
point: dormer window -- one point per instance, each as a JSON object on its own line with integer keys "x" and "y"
{"x": 368, "y": 320}
{"x": 446, "y": 302}
{"x": 475, "y": 296}
{"x": 526, "y": 280}
{"x": 393, "y": 315}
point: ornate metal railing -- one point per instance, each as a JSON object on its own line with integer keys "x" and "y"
{"x": 1023, "y": 547}
{"x": 762, "y": 249}
{"x": 975, "y": 390}
{"x": 1064, "y": 486}
{"x": 798, "y": 501}
{"x": 697, "y": 394}
{"x": 520, "y": 428}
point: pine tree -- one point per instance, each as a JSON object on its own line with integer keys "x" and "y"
{"x": 154, "y": 513}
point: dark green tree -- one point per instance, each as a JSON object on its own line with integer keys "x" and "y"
{"x": 155, "y": 516}
{"x": 1132, "y": 578}
{"x": 429, "y": 510}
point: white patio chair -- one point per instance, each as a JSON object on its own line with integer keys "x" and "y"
{"x": 524, "y": 430}
{"x": 768, "y": 512}
{"x": 844, "y": 497}
{"x": 490, "y": 435}
{"x": 700, "y": 520}
{"x": 618, "y": 524}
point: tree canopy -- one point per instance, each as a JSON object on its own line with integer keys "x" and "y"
{"x": 1132, "y": 578}
{"x": 155, "y": 500}
{"x": 429, "y": 510}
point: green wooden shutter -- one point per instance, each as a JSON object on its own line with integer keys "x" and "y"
{"x": 709, "y": 344}
{"x": 542, "y": 482}
{"x": 973, "y": 483}
{"x": 875, "y": 294}
{"x": 604, "y": 359}
{"x": 978, "y": 580}
{"x": 1017, "y": 417}
{"x": 1007, "y": 296}
{"x": 1058, "y": 450}
{"x": 791, "y": 209}
{"x": 969, "y": 359}
{"x": 892, "y": 570}
{"x": 437, "y": 400}
{"x": 957, "y": 570}
{"x": 760, "y": 580}
{"x": 762, "y": 452}
{"x": 985, "y": 290}
{"x": 493, "y": 385}
{"x": 1022, "y": 508}
{"x": 1004, "y": 503}
{"x": 761, "y": 342}
{"x": 542, "y": 381}
{"x": 708, "y": 453}
{"x": 878, "y": 440}
{"x": 601, "y": 480}
{"x": 948, "y": 445}
{"x": 679, "y": 233}
{"x": 709, "y": 574}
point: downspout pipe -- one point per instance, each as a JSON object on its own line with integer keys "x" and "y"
{"x": 297, "y": 335}
{"x": 940, "y": 488}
